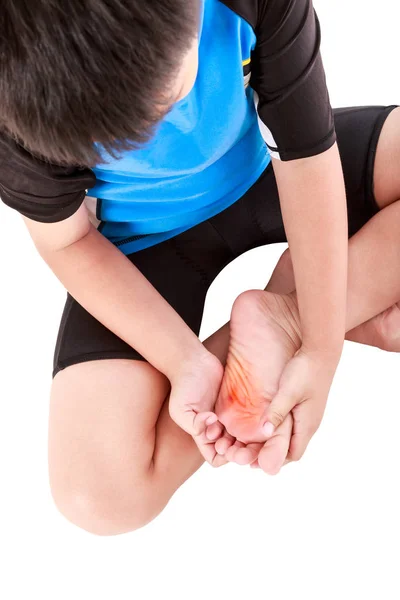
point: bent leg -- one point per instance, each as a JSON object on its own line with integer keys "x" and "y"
{"x": 115, "y": 455}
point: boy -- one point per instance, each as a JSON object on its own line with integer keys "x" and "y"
{"x": 200, "y": 111}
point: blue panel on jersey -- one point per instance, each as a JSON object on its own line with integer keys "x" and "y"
{"x": 206, "y": 153}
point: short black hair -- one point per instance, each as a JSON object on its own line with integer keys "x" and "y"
{"x": 74, "y": 71}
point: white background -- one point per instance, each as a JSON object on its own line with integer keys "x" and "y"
{"x": 328, "y": 527}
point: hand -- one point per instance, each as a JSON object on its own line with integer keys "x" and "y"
{"x": 303, "y": 389}
{"x": 270, "y": 456}
{"x": 194, "y": 391}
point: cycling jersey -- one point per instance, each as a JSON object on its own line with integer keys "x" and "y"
{"x": 260, "y": 91}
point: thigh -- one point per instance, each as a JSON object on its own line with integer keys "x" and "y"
{"x": 114, "y": 452}
{"x": 386, "y": 170}
{"x": 358, "y": 134}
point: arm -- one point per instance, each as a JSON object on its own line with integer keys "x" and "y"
{"x": 296, "y": 121}
{"x": 313, "y": 203}
{"x": 105, "y": 282}
{"x": 101, "y": 278}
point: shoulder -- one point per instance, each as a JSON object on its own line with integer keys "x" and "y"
{"x": 250, "y": 10}
{"x": 37, "y": 189}
{"x": 267, "y": 16}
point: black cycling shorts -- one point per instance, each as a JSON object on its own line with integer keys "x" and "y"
{"x": 183, "y": 268}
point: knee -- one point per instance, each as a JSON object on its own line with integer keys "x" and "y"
{"x": 108, "y": 511}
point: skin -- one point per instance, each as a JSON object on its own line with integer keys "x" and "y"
{"x": 264, "y": 324}
{"x": 118, "y": 474}
{"x": 241, "y": 407}
{"x": 312, "y": 179}
{"x": 188, "y": 73}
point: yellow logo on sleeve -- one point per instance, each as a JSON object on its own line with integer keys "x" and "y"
{"x": 246, "y": 72}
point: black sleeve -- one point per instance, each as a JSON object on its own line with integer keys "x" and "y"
{"x": 288, "y": 78}
{"x": 39, "y": 190}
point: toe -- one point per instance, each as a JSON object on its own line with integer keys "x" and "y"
{"x": 241, "y": 454}
{"x": 223, "y": 444}
{"x": 214, "y": 431}
{"x": 247, "y": 455}
{"x": 231, "y": 452}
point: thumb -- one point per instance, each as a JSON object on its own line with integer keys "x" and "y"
{"x": 277, "y": 412}
{"x": 289, "y": 394}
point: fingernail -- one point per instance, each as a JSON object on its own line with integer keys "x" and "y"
{"x": 268, "y": 429}
{"x": 211, "y": 420}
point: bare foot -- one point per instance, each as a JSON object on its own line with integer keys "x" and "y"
{"x": 264, "y": 336}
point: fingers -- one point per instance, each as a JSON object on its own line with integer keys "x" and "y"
{"x": 200, "y": 422}
{"x": 208, "y": 452}
{"x": 293, "y": 390}
{"x": 273, "y": 454}
{"x": 298, "y": 445}
{"x": 307, "y": 419}
{"x": 205, "y": 430}
{"x": 218, "y": 461}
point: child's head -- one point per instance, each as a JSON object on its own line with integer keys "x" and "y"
{"x": 75, "y": 71}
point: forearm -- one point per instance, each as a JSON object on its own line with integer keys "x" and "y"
{"x": 313, "y": 203}
{"x": 105, "y": 282}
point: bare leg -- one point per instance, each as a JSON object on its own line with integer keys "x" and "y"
{"x": 115, "y": 455}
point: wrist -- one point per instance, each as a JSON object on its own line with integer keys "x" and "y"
{"x": 193, "y": 358}
{"x": 320, "y": 340}
{"x": 327, "y": 346}
{"x": 329, "y": 357}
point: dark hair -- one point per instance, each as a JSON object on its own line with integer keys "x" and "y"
{"x": 74, "y": 71}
